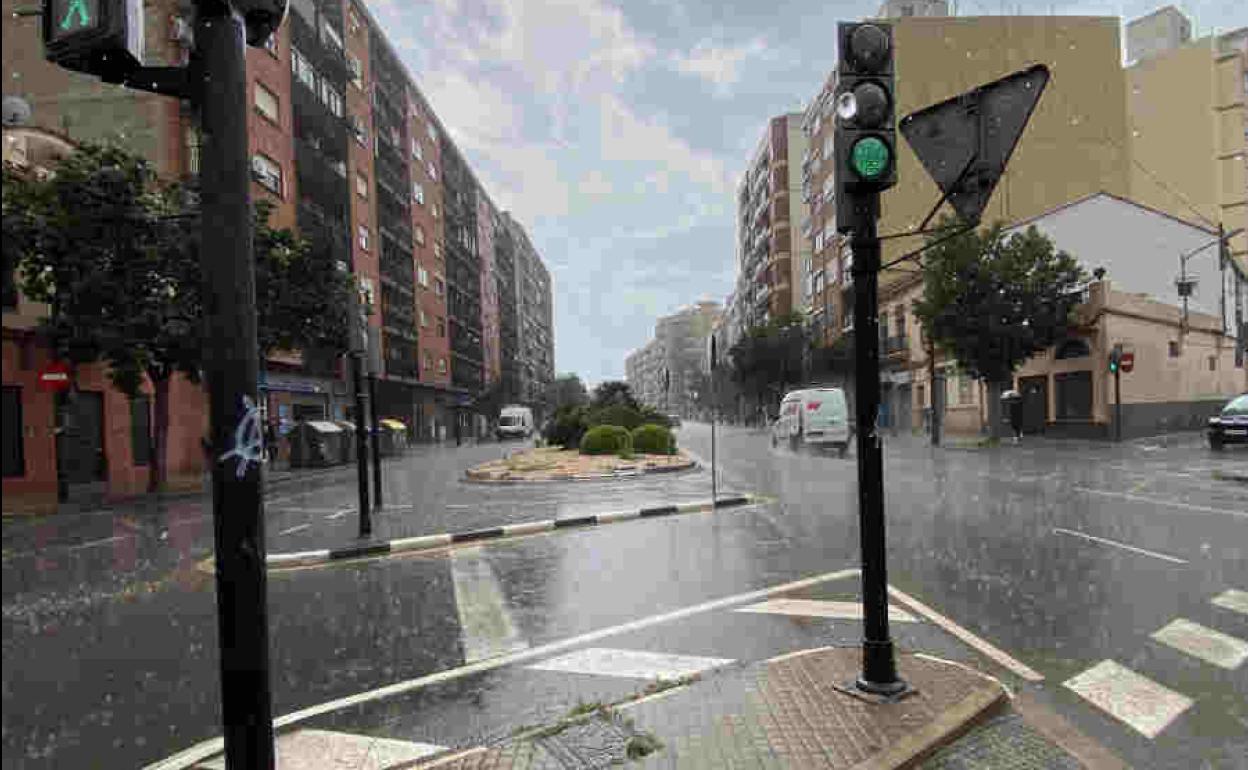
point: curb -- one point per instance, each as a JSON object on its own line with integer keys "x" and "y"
{"x": 429, "y": 542}
{"x": 692, "y": 464}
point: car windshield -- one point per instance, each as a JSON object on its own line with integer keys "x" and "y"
{"x": 1237, "y": 408}
{"x": 407, "y": 378}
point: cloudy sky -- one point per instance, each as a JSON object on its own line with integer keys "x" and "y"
{"x": 616, "y": 131}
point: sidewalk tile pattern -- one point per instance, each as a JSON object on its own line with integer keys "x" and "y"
{"x": 1002, "y": 743}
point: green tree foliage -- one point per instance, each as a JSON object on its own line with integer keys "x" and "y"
{"x": 115, "y": 254}
{"x": 991, "y": 300}
{"x": 768, "y": 359}
{"x": 566, "y": 390}
{"x": 613, "y": 393}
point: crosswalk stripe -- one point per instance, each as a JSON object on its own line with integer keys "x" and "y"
{"x": 823, "y": 609}
{"x": 1205, "y": 643}
{"x": 1139, "y": 702}
{"x": 633, "y": 664}
{"x": 487, "y": 628}
{"x": 1232, "y": 599}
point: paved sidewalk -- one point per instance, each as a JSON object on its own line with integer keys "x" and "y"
{"x": 798, "y": 710}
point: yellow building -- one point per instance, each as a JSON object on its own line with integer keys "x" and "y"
{"x": 1188, "y": 132}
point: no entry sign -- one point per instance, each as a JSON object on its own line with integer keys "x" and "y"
{"x": 1127, "y": 362}
{"x": 54, "y": 378}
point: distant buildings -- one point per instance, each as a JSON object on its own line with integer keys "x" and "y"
{"x": 664, "y": 373}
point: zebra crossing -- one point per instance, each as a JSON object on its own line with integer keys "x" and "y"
{"x": 1149, "y": 707}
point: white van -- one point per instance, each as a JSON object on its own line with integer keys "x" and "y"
{"x": 817, "y": 417}
{"x": 514, "y": 422}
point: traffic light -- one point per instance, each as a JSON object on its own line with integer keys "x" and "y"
{"x": 98, "y": 37}
{"x": 1115, "y": 359}
{"x": 865, "y": 139}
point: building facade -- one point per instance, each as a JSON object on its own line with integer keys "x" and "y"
{"x": 352, "y": 156}
{"x": 1158, "y": 32}
{"x": 665, "y": 372}
{"x": 771, "y": 252}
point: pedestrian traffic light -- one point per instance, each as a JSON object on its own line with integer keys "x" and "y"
{"x": 98, "y": 37}
{"x": 1115, "y": 359}
{"x": 865, "y": 136}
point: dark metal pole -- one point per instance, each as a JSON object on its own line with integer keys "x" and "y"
{"x": 879, "y": 668}
{"x": 231, "y": 364}
{"x": 1118, "y": 401}
{"x": 714, "y": 407}
{"x": 361, "y": 445}
{"x": 376, "y": 438}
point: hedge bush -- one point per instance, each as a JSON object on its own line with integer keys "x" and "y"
{"x": 606, "y": 440}
{"x": 653, "y": 439}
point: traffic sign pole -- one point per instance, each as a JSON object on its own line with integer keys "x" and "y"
{"x": 219, "y": 80}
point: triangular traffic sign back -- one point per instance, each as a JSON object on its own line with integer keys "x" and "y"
{"x": 964, "y": 142}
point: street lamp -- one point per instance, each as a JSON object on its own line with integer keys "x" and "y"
{"x": 1185, "y": 284}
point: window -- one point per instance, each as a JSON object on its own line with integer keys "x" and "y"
{"x": 424, "y": 319}
{"x": 433, "y": 134}
{"x": 433, "y": 209}
{"x": 418, "y": 234}
{"x": 267, "y": 104}
{"x": 422, "y": 276}
{"x": 302, "y": 68}
{"x": 417, "y": 152}
{"x": 441, "y": 366}
{"x": 441, "y": 326}
{"x": 356, "y": 69}
{"x": 438, "y": 287}
{"x": 191, "y": 139}
{"x": 267, "y": 172}
{"x": 331, "y": 98}
{"x": 1174, "y": 349}
{"x": 1213, "y": 363}
{"x": 14, "y": 430}
{"x": 433, "y": 174}
{"x": 141, "y": 429}
{"x": 358, "y": 130}
{"x": 1074, "y": 395}
{"x": 437, "y": 251}
{"x": 330, "y": 36}
{"x": 418, "y": 193}
{"x": 361, "y": 185}
{"x": 362, "y": 232}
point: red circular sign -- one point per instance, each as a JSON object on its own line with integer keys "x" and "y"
{"x": 54, "y": 378}
{"x": 1128, "y": 361}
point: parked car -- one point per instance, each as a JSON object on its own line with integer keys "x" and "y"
{"x": 514, "y": 422}
{"x": 1230, "y": 426}
{"x": 816, "y": 417}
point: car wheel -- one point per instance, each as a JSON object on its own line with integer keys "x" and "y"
{"x": 1215, "y": 444}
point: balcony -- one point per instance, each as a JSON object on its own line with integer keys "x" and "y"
{"x": 896, "y": 348}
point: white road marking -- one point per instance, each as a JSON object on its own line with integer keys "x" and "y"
{"x": 1161, "y": 501}
{"x": 1200, "y": 642}
{"x": 1232, "y": 599}
{"x": 984, "y": 647}
{"x": 486, "y": 627}
{"x": 188, "y": 757}
{"x": 102, "y": 541}
{"x": 823, "y": 609}
{"x": 630, "y": 664}
{"x": 294, "y": 529}
{"x": 1136, "y": 700}
{"x": 312, "y": 748}
{"x": 338, "y": 515}
{"x": 1116, "y": 544}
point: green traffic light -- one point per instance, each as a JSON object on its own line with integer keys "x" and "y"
{"x": 870, "y": 158}
{"x": 77, "y": 16}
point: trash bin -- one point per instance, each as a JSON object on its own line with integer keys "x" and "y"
{"x": 315, "y": 444}
{"x": 393, "y": 436}
{"x": 1012, "y": 411}
{"x": 348, "y": 452}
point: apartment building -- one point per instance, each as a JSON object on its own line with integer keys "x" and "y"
{"x": 1187, "y": 112}
{"x": 1161, "y": 31}
{"x": 534, "y": 322}
{"x": 772, "y": 254}
{"x": 643, "y": 370}
{"x": 353, "y": 156}
{"x": 664, "y": 373}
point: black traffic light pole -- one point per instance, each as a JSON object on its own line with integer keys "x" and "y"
{"x": 219, "y": 86}
{"x": 376, "y": 437}
{"x": 361, "y": 444}
{"x": 879, "y": 668}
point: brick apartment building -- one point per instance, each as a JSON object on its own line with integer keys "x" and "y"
{"x": 354, "y": 158}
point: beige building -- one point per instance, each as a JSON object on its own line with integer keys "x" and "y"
{"x": 1188, "y": 132}
{"x": 1074, "y": 145}
{"x": 772, "y": 254}
{"x": 1158, "y": 32}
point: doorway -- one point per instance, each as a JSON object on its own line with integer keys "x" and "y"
{"x": 80, "y": 462}
{"x": 1035, "y": 392}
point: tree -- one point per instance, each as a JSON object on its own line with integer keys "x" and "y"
{"x": 613, "y": 393}
{"x": 992, "y": 300}
{"x": 769, "y": 358}
{"x": 115, "y": 254}
{"x": 566, "y": 390}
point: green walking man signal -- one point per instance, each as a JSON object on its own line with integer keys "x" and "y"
{"x": 76, "y": 8}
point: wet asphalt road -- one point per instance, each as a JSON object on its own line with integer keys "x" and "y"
{"x": 109, "y": 629}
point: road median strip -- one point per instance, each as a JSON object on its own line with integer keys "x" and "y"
{"x": 430, "y": 542}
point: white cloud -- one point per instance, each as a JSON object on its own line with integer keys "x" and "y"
{"x": 595, "y": 184}
{"x": 721, "y": 66}
{"x": 625, "y": 136}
